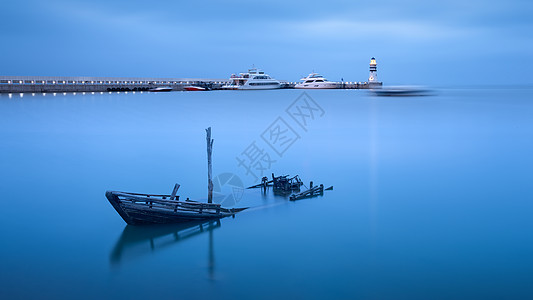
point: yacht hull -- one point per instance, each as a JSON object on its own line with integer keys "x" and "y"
{"x": 255, "y": 79}
{"x": 332, "y": 85}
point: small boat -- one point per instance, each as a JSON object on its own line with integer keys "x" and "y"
{"x": 316, "y": 81}
{"x": 161, "y": 89}
{"x": 136, "y": 208}
{"x": 401, "y": 91}
{"x": 192, "y": 88}
{"x": 255, "y": 79}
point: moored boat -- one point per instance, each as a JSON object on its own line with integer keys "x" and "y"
{"x": 161, "y": 89}
{"x": 316, "y": 81}
{"x": 192, "y": 88}
{"x": 255, "y": 79}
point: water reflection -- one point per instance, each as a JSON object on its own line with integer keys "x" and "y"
{"x": 138, "y": 241}
{"x": 21, "y": 95}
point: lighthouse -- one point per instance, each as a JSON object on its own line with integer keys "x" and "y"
{"x": 373, "y": 78}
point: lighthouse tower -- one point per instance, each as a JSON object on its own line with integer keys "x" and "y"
{"x": 373, "y": 78}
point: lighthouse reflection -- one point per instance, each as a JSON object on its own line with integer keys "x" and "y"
{"x": 138, "y": 241}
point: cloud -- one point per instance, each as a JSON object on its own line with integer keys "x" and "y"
{"x": 381, "y": 29}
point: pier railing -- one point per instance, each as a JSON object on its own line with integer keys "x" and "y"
{"x": 45, "y": 84}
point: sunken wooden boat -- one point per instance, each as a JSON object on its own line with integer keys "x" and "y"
{"x": 283, "y": 185}
{"x": 136, "y": 208}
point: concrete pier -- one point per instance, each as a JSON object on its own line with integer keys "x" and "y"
{"x": 60, "y": 84}
{"x": 362, "y": 85}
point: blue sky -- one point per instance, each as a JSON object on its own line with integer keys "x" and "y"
{"x": 415, "y": 42}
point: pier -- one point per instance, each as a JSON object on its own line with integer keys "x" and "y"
{"x": 347, "y": 85}
{"x": 60, "y": 84}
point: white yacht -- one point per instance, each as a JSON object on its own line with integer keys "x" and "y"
{"x": 255, "y": 79}
{"x": 316, "y": 81}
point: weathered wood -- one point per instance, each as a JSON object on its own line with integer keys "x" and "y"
{"x": 169, "y": 207}
{"x": 264, "y": 183}
{"x": 144, "y": 215}
{"x": 286, "y": 185}
{"x": 311, "y": 192}
{"x": 174, "y": 191}
{"x": 137, "y": 209}
{"x": 136, "y": 198}
{"x": 148, "y": 195}
{"x": 174, "y": 205}
{"x": 209, "y": 167}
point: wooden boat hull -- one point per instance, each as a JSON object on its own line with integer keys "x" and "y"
{"x": 136, "y": 213}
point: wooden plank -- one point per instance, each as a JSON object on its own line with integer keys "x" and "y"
{"x": 134, "y": 198}
{"x": 167, "y": 209}
{"x": 172, "y": 205}
{"x": 168, "y": 212}
{"x": 268, "y": 183}
{"x": 311, "y": 192}
{"x": 150, "y": 195}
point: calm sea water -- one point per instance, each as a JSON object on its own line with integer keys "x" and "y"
{"x": 432, "y": 196}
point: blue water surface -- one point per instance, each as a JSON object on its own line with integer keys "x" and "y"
{"x": 432, "y": 196}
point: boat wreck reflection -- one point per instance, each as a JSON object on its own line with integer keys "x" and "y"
{"x": 138, "y": 241}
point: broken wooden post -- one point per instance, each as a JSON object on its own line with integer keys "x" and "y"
{"x": 174, "y": 192}
{"x": 209, "y": 168}
{"x": 264, "y": 182}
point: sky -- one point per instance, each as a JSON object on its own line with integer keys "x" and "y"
{"x": 453, "y": 42}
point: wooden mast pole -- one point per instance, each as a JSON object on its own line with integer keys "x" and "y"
{"x": 209, "y": 167}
